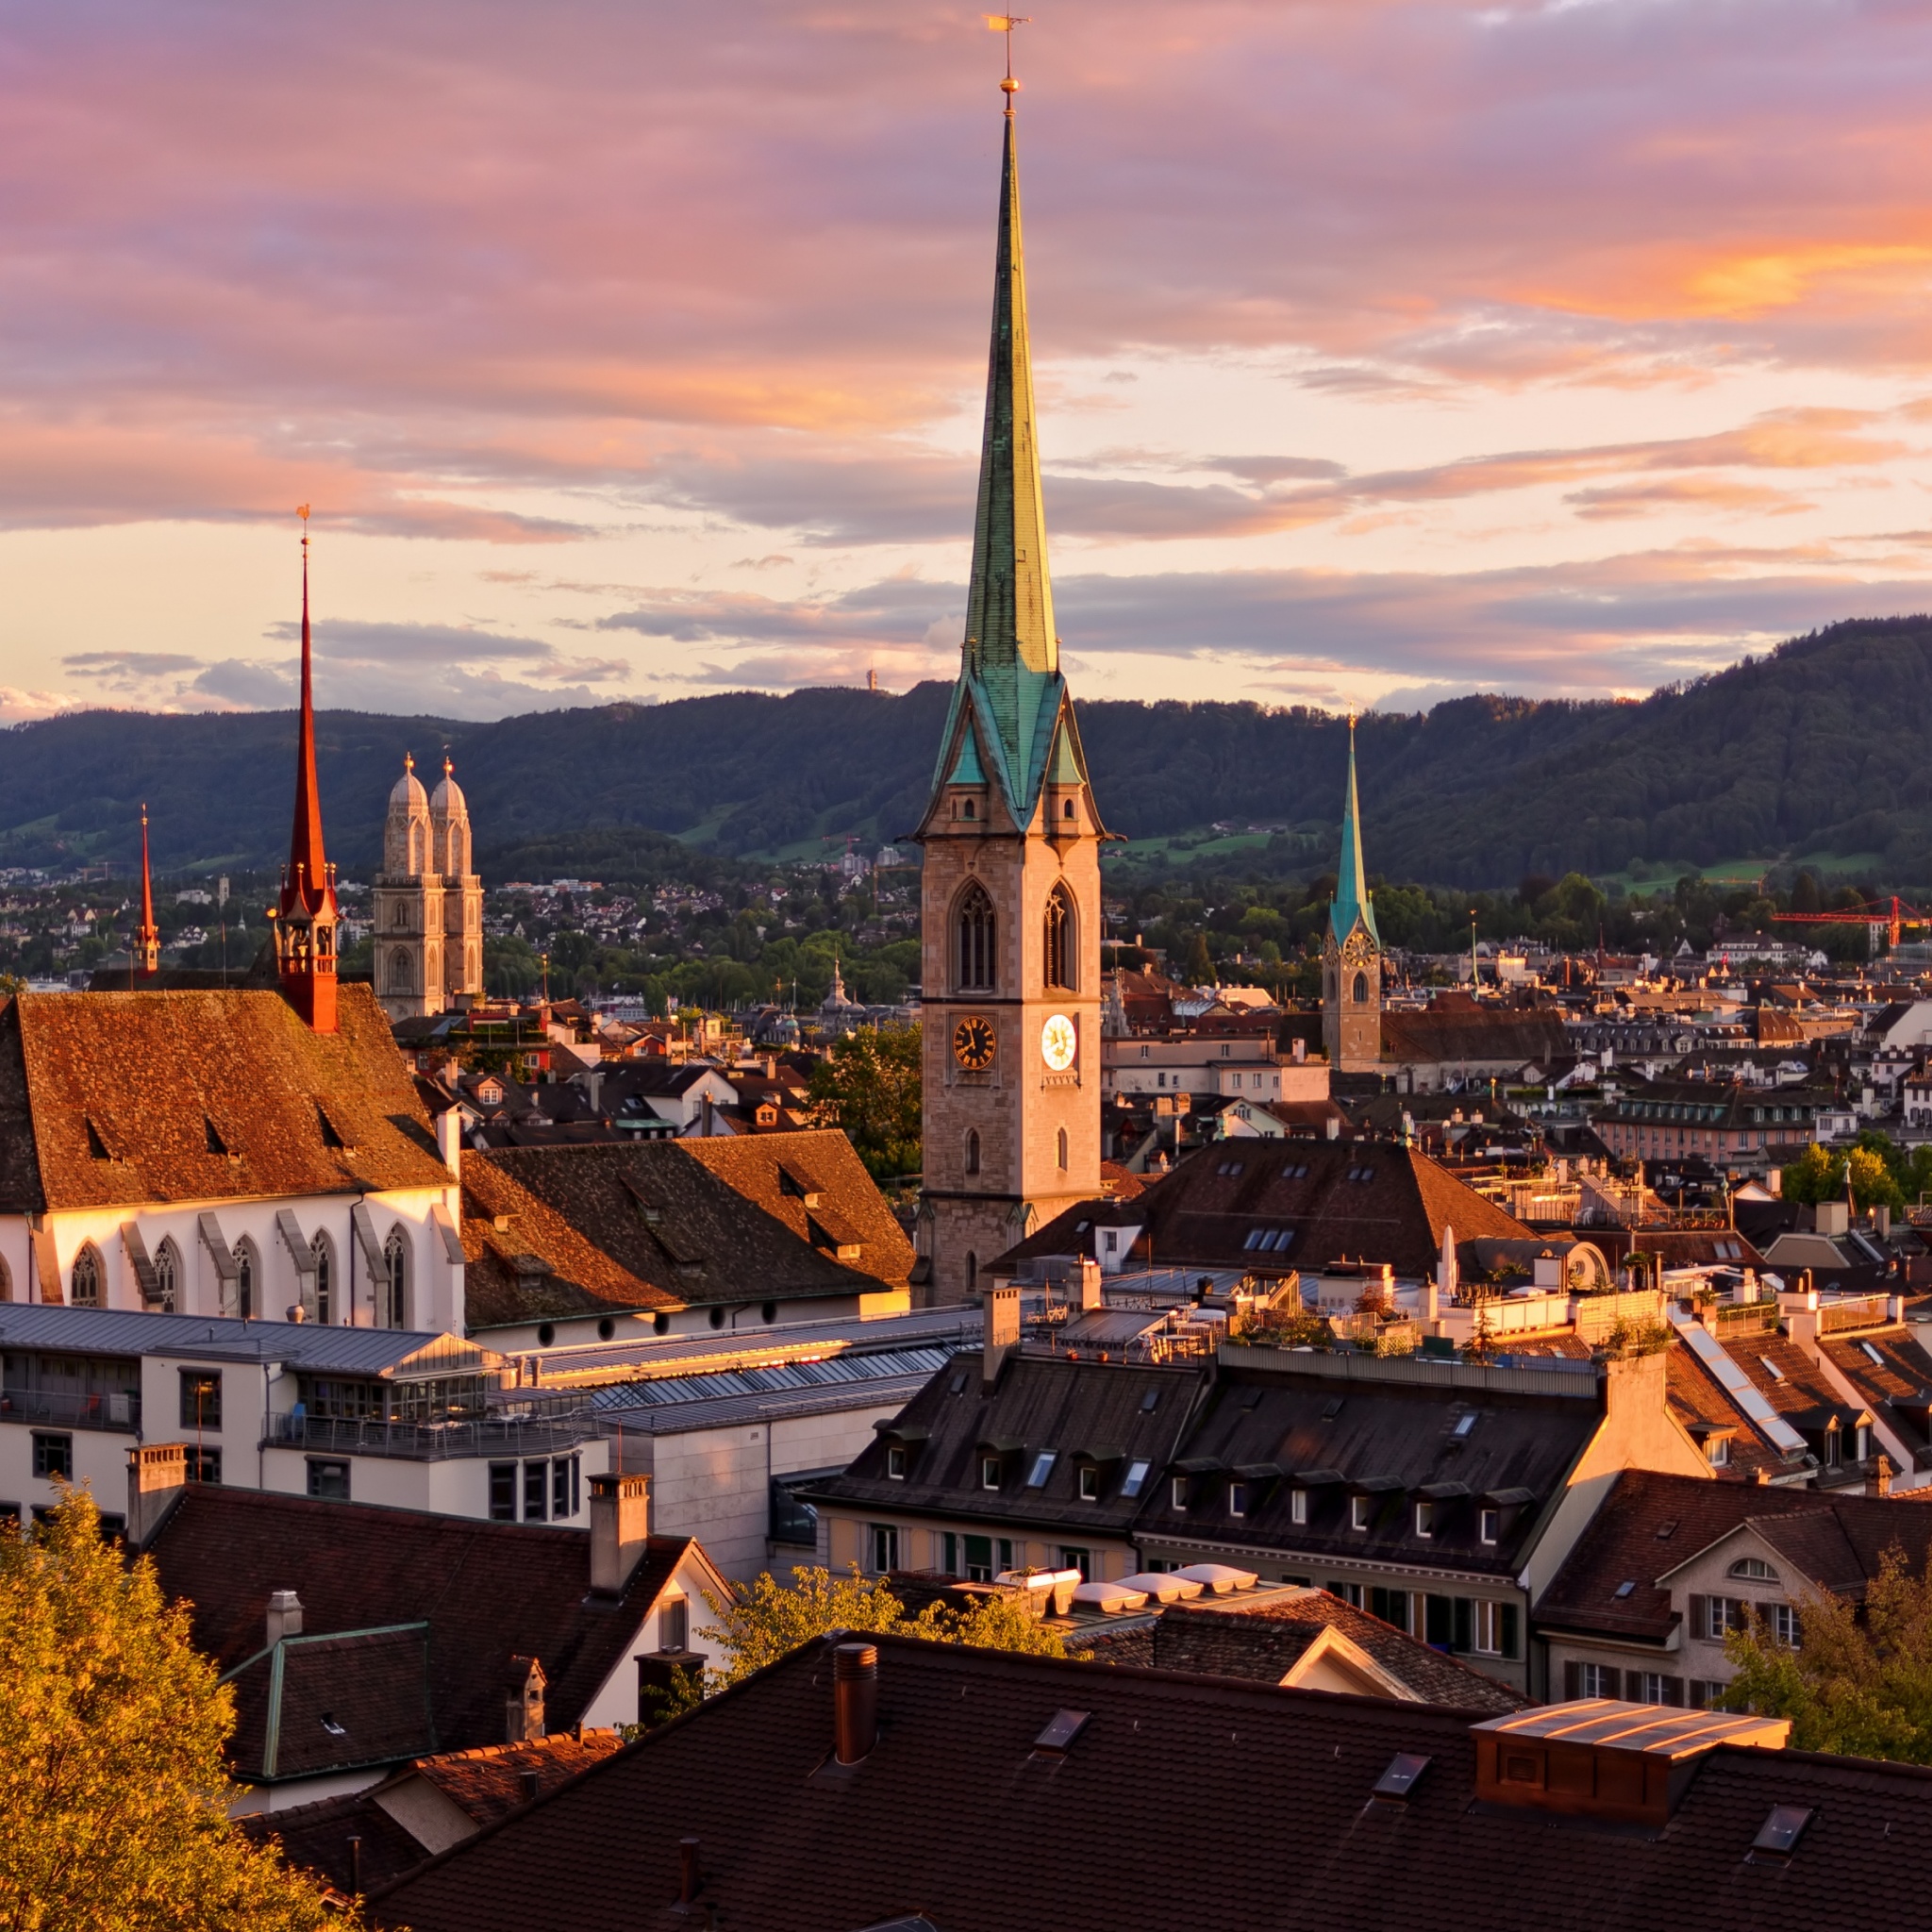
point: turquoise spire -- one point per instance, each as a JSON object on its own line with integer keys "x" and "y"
{"x": 1352, "y": 900}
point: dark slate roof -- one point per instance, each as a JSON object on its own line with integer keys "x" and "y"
{"x": 486, "y": 1590}
{"x": 667, "y": 1223}
{"x": 1263, "y": 1641}
{"x": 1354, "y": 1203}
{"x": 332, "y": 1702}
{"x": 1285, "y": 1429}
{"x": 1447, "y": 1032}
{"x": 955, "y": 1815}
{"x": 121, "y": 1098}
{"x": 1648, "y": 1524}
{"x": 1078, "y": 1410}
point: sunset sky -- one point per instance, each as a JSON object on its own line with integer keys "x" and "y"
{"x": 1386, "y": 350}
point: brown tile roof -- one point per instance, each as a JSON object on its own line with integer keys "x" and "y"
{"x": 1471, "y": 1033}
{"x": 332, "y": 1701}
{"x": 486, "y": 1590}
{"x": 316, "y": 1837}
{"x": 120, "y": 1098}
{"x": 1263, "y": 1641}
{"x": 1897, "y": 1387}
{"x": 1374, "y": 1203}
{"x": 667, "y": 1223}
{"x": 488, "y": 1783}
{"x": 955, "y": 1815}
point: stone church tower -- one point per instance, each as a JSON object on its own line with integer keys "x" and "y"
{"x": 428, "y": 904}
{"x": 1010, "y": 908}
{"x": 1352, "y": 954}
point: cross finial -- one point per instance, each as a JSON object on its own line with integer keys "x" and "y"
{"x": 1005, "y": 23}
{"x": 409, "y": 761}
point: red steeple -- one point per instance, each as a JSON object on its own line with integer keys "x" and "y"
{"x": 306, "y": 918}
{"x": 147, "y": 937}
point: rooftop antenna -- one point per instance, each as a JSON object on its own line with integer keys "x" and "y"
{"x": 1005, "y": 23}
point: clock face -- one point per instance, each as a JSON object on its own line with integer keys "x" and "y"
{"x": 1058, "y": 1042}
{"x": 972, "y": 1042}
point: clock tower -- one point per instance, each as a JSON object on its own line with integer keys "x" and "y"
{"x": 1010, "y": 895}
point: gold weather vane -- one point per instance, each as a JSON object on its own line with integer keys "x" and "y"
{"x": 1005, "y": 23}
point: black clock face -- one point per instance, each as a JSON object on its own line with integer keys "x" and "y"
{"x": 972, "y": 1042}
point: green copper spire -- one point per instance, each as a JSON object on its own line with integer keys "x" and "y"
{"x": 1352, "y": 900}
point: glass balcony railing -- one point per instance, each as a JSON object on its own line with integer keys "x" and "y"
{"x": 61, "y": 1408}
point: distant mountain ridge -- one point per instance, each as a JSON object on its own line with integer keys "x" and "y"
{"x": 1820, "y": 747}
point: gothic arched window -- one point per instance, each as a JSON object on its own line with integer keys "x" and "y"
{"x": 395, "y": 1280}
{"x": 977, "y": 931}
{"x": 247, "y": 1273}
{"x": 323, "y": 1309}
{"x": 402, "y": 978}
{"x": 972, "y": 1272}
{"x": 168, "y": 1277}
{"x": 415, "y": 848}
{"x": 90, "y": 1277}
{"x": 1361, "y": 988}
{"x": 1062, "y": 957}
{"x": 1060, "y": 1150}
{"x": 973, "y": 1151}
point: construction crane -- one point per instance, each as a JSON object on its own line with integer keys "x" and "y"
{"x": 1882, "y": 915}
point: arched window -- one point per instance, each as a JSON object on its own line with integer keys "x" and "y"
{"x": 972, "y": 1272}
{"x": 90, "y": 1277}
{"x": 966, "y": 809}
{"x": 402, "y": 978}
{"x": 247, "y": 1273}
{"x": 1754, "y": 1570}
{"x": 6, "y": 1282}
{"x": 1361, "y": 988}
{"x": 1067, "y": 810}
{"x": 973, "y": 1151}
{"x": 1062, "y": 957}
{"x": 395, "y": 1280}
{"x": 415, "y": 848}
{"x": 323, "y": 1306}
{"x": 168, "y": 1277}
{"x": 1060, "y": 1150}
{"x": 977, "y": 931}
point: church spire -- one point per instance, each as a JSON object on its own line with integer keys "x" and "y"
{"x": 147, "y": 936}
{"x": 308, "y": 869}
{"x": 1010, "y": 642}
{"x": 305, "y": 916}
{"x": 1352, "y": 900}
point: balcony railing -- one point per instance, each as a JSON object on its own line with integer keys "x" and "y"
{"x": 504, "y": 1435}
{"x": 60, "y": 1408}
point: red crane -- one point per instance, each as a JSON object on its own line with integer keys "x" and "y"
{"x": 1891, "y": 913}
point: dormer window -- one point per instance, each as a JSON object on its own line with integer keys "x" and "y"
{"x": 1298, "y": 1506}
{"x": 1237, "y": 1499}
{"x": 1426, "y": 1518}
{"x": 1178, "y": 1492}
{"x": 988, "y": 1472}
{"x": 1360, "y": 1510}
{"x": 1489, "y": 1526}
{"x": 895, "y": 1463}
{"x": 1090, "y": 1483}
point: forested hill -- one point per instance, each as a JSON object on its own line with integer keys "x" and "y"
{"x": 1819, "y": 747}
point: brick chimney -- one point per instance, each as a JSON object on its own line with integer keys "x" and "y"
{"x": 523, "y": 1701}
{"x": 1001, "y": 1305}
{"x": 619, "y": 1527}
{"x": 157, "y": 1476}
{"x": 284, "y": 1615}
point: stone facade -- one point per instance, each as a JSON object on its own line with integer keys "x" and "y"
{"x": 428, "y": 904}
{"x": 1352, "y": 1002}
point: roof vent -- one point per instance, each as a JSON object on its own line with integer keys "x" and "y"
{"x": 1058, "y": 1736}
{"x": 1399, "y": 1780}
{"x": 1777, "y": 1837}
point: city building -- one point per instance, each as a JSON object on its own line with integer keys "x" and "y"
{"x": 426, "y": 912}
{"x": 1352, "y": 953}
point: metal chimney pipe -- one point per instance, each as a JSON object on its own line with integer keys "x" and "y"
{"x": 686, "y": 1870}
{"x": 854, "y": 1701}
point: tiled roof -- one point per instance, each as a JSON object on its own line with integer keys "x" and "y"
{"x": 1649, "y": 1524}
{"x": 1262, "y": 1641}
{"x": 332, "y": 1701}
{"x": 1897, "y": 1387}
{"x": 488, "y": 1783}
{"x": 1473, "y": 1033}
{"x": 1376, "y": 1203}
{"x": 486, "y": 1590}
{"x": 955, "y": 1816}
{"x": 1117, "y": 1414}
{"x": 116, "y": 1099}
{"x": 667, "y": 1223}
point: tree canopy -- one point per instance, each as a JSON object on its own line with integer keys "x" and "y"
{"x": 111, "y": 1778}
{"x": 1882, "y": 1173}
{"x": 870, "y": 1084}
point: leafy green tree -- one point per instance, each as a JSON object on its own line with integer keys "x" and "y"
{"x": 111, "y": 1778}
{"x": 1860, "y": 1685}
{"x": 870, "y": 1084}
{"x": 1882, "y": 1173}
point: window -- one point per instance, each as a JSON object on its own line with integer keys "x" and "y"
{"x": 1651, "y": 1686}
{"x": 1360, "y": 1510}
{"x": 1596, "y": 1680}
{"x": 978, "y": 1559}
{"x": 884, "y": 1541}
{"x": 1722, "y": 1614}
{"x": 1136, "y": 1478}
{"x": 1392, "y": 1606}
{"x": 324, "y": 1253}
{"x": 1361, "y": 988}
{"x": 1082, "y": 1561}
{"x": 560, "y": 1500}
{"x": 1717, "y": 1452}
{"x": 54, "y": 1456}
{"x": 536, "y": 1491}
{"x": 328, "y": 1480}
{"x": 1348, "y": 1593}
{"x": 247, "y": 1273}
{"x": 1426, "y": 1518}
{"x": 972, "y": 1271}
{"x": 1298, "y": 1506}
{"x": 895, "y": 1463}
{"x": 1237, "y": 1499}
{"x": 1090, "y": 1483}
{"x": 1783, "y": 1619}
{"x": 977, "y": 933}
{"x": 203, "y": 1465}
{"x": 1060, "y": 1150}
{"x": 1067, "y": 808}
{"x": 503, "y": 1492}
{"x": 1178, "y": 1495}
{"x": 1493, "y": 1627}
{"x": 1834, "y": 1449}
{"x": 88, "y": 1276}
{"x": 1006, "y": 1559}
{"x": 201, "y": 1398}
{"x": 1756, "y": 1568}
{"x": 1042, "y": 1467}
{"x": 988, "y": 1472}
{"x": 1864, "y": 1443}
{"x": 168, "y": 1277}
{"x": 973, "y": 1151}
{"x": 395, "y": 1280}
{"x": 1062, "y": 958}
{"x": 673, "y": 1625}
{"x": 1489, "y": 1526}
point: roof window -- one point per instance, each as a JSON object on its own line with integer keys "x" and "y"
{"x": 1399, "y": 1780}
{"x": 1065, "y": 1728}
{"x": 1772, "y": 1369}
{"x": 1779, "y": 1835}
{"x": 1464, "y": 1424}
{"x": 1137, "y": 1477}
{"x": 1296, "y": 1171}
{"x": 1231, "y": 1167}
{"x": 1878, "y": 1361}
{"x": 1042, "y": 1467}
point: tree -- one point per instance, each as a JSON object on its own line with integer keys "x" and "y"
{"x": 1861, "y": 1687}
{"x": 870, "y": 1086}
{"x": 760, "y": 1620}
{"x": 1881, "y": 1171}
{"x": 1200, "y": 967}
{"x": 111, "y": 1778}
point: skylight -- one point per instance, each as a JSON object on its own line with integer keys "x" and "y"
{"x": 1465, "y": 1424}
{"x": 1137, "y": 1477}
{"x": 1876, "y": 1357}
{"x": 1772, "y": 1369}
{"x": 1042, "y": 1467}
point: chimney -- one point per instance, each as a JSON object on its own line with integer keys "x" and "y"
{"x": 1002, "y": 1304}
{"x": 854, "y": 1701}
{"x": 1090, "y": 1284}
{"x": 283, "y": 1616}
{"x": 157, "y": 1475}
{"x": 523, "y": 1701}
{"x": 1881, "y": 1476}
{"x": 449, "y": 1139}
{"x": 529, "y": 1783}
{"x": 1881, "y": 1220}
{"x": 1299, "y": 1048}
{"x": 619, "y": 1527}
{"x": 1334, "y": 1129}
